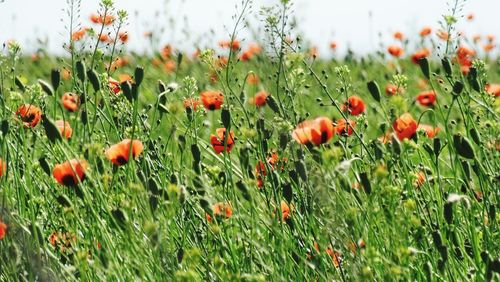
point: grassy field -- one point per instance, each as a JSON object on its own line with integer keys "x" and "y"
{"x": 251, "y": 160}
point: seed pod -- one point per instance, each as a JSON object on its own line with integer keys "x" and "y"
{"x": 475, "y": 136}
{"x": 458, "y": 86}
{"x": 424, "y": 66}
{"x": 19, "y": 84}
{"x": 44, "y": 165}
{"x": 428, "y": 149}
{"x": 127, "y": 90}
{"x": 51, "y": 130}
{"x": 271, "y": 102}
{"x": 492, "y": 212}
{"x": 120, "y": 216}
{"x": 81, "y": 73}
{"x": 135, "y": 91}
{"x": 55, "y": 77}
{"x": 463, "y": 146}
{"x": 287, "y": 192}
{"x": 284, "y": 138}
{"x": 226, "y": 118}
{"x": 174, "y": 179}
{"x": 301, "y": 169}
{"x": 293, "y": 176}
{"x": 64, "y": 201}
{"x": 180, "y": 255}
{"x": 443, "y": 251}
{"x": 5, "y": 127}
{"x": 139, "y": 75}
{"x": 94, "y": 80}
{"x": 366, "y": 183}
{"x": 195, "y": 151}
{"x": 436, "y": 236}
{"x": 474, "y": 84}
{"x": 161, "y": 86}
{"x": 205, "y": 205}
{"x": 244, "y": 190}
{"x": 84, "y": 117}
{"x": 46, "y": 87}
{"x": 179, "y": 59}
{"x": 428, "y": 271}
{"x": 447, "y": 66}
{"x": 374, "y": 90}
{"x": 437, "y": 146}
{"x": 396, "y": 145}
{"x": 466, "y": 168}
{"x": 448, "y": 212}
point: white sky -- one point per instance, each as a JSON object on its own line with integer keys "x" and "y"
{"x": 321, "y": 21}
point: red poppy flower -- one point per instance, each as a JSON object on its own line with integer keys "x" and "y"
{"x": 343, "y": 128}
{"x": 425, "y": 31}
{"x": 493, "y": 89}
{"x": 426, "y": 98}
{"x": 192, "y": 103}
{"x": 3, "y": 167}
{"x": 423, "y": 53}
{"x": 286, "y": 210}
{"x": 333, "y": 45}
{"x": 392, "y": 89}
{"x": 29, "y": 114}
{"x": 235, "y": 44}
{"x": 64, "y": 128}
{"x": 395, "y": 50}
{"x": 260, "y": 99}
{"x": 119, "y": 153}
{"x": 430, "y": 131}
{"x": 95, "y": 18}
{"x": 220, "y": 211}
{"x": 70, "y": 173}
{"x": 212, "y": 100}
{"x": 260, "y": 168}
{"x": 398, "y": 35}
{"x": 354, "y": 106}
{"x": 114, "y": 85}
{"x": 405, "y": 126}
{"x": 317, "y": 131}
{"x": 219, "y": 142}
{"x": 70, "y": 101}
{"x": 79, "y": 34}
{"x": 104, "y": 38}
{"x": 3, "y": 230}
{"x": 123, "y": 36}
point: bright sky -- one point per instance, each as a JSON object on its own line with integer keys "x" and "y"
{"x": 345, "y": 21}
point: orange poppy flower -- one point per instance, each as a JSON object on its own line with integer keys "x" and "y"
{"x": 169, "y": 66}
{"x": 3, "y": 167}
{"x": 354, "y": 106}
{"x": 493, "y": 89}
{"x": 79, "y": 34}
{"x": 65, "y": 74}
{"x": 219, "y": 142}
{"x": 398, "y": 35}
{"x": 122, "y": 77}
{"x": 260, "y": 98}
{"x": 430, "y": 131}
{"x": 470, "y": 17}
{"x": 419, "y": 179}
{"x": 123, "y": 36}
{"x": 391, "y": 89}
{"x": 3, "y": 230}
{"x": 395, "y": 50}
{"x": 464, "y": 52}
{"x": 220, "y": 211}
{"x": 109, "y": 19}
{"x": 235, "y": 44}
{"x": 286, "y": 210}
{"x": 70, "y": 173}
{"x": 333, "y": 45}
{"x": 405, "y": 126}
{"x": 70, "y": 101}
{"x": 260, "y": 168}
{"x": 114, "y": 85}
{"x": 423, "y": 53}
{"x": 488, "y": 47}
{"x": 104, "y": 38}
{"x": 64, "y": 128}
{"x": 253, "y": 79}
{"x": 119, "y": 153}
{"x": 317, "y": 131}
{"x": 336, "y": 257}
{"x": 222, "y": 61}
{"x": 425, "y": 31}
{"x": 95, "y": 18}
{"x": 343, "y": 128}
{"x": 427, "y": 98}
{"x": 490, "y": 38}
{"x": 192, "y": 103}
{"x": 166, "y": 51}
{"x": 443, "y": 35}
{"x": 212, "y": 100}
{"x": 314, "y": 52}
{"x": 29, "y": 114}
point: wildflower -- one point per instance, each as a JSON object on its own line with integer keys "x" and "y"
{"x": 405, "y": 126}
{"x": 3, "y": 229}
{"x": 395, "y": 50}
{"x": 490, "y": 38}
{"x": 64, "y": 128}
{"x": 392, "y": 89}
{"x": 123, "y": 36}
{"x": 79, "y": 34}
{"x": 427, "y": 98}
{"x": 234, "y": 45}
{"x": 104, "y": 38}
{"x": 166, "y": 52}
{"x": 333, "y": 45}
{"x": 286, "y": 210}
{"x": 470, "y": 17}
{"x": 251, "y": 51}
{"x": 260, "y": 168}
{"x": 70, "y": 173}
{"x": 422, "y": 53}
{"x": 125, "y": 77}
{"x": 260, "y": 98}
{"x": 253, "y": 79}
{"x": 70, "y": 101}
{"x": 343, "y": 128}
{"x": 212, "y": 100}
{"x": 425, "y": 31}
{"x": 3, "y": 167}
{"x": 192, "y": 103}
{"x": 313, "y": 52}
{"x": 99, "y": 19}
{"x": 219, "y": 141}
{"x": 114, "y": 85}
{"x": 119, "y": 153}
{"x": 398, "y": 35}
{"x": 65, "y": 74}
{"x": 419, "y": 179}
{"x": 488, "y": 47}
{"x": 29, "y": 114}
{"x": 336, "y": 257}
{"x": 95, "y": 18}
{"x": 309, "y": 254}
{"x": 220, "y": 211}
{"x": 493, "y": 89}
{"x": 443, "y": 35}
{"x": 430, "y": 131}
{"x": 354, "y": 106}
{"x": 317, "y": 131}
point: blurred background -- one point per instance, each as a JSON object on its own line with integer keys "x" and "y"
{"x": 361, "y": 25}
